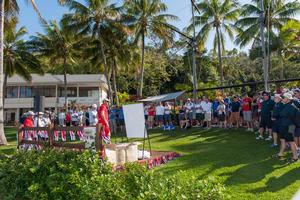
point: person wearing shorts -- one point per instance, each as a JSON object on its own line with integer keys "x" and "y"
{"x": 199, "y": 113}
{"x": 287, "y": 128}
{"x": 207, "y": 108}
{"x": 247, "y": 113}
{"x": 266, "y": 114}
{"x": 167, "y": 116}
{"x": 189, "y": 106}
{"x": 235, "y": 112}
{"x": 151, "y": 114}
{"x": 221, "y": 114}
{"x": 278, "y": 106}
{"x": 160, "y": 111}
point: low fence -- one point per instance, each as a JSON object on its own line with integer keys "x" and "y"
{"x": 56, "y": 137}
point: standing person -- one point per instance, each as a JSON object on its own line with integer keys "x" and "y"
{"x": 167, "y": 116}
{"x": 235, "y": 112}
{"x": 247, "y": 113}
{"x": 146, "y": 113}
{"x": 287, "y": 127}
{"x": 121, "y": 122}
{"x": 278, "y": 106}
{"x": 207, "y": 108}
{"x": 103, "y": 120}
{"x": 296, "y": 102}
{"x": 29, "y": 123}
{"x": 47, "y": 119}
{"x": 74, "y": 117}
{"x": 151, "y": 114}
{"x": 61, "y": 117}
{"x": 227, "y": 102}
{"x": 189, "y": 107}
{"x": 159, "y": 111}
{"x": 215, "y": 105}
{"x": 81, "y": 116}
{"x": 93, "y": 115}
{"x": 221, "y": 114}
{"x": 199, "y": 112}
{"x": 266, "y": 114}
{"x": 87, "y": 116}
{"x": 181, "y": 116}
{"x": 113, "y": 119}
{"x": 68, "y": 118}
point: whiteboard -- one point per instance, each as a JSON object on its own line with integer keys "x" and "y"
{"x": 134, "y": 120}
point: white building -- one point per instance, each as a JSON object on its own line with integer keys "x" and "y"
{"x": 85, "y": 89}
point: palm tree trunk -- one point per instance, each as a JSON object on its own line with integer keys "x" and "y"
{"x": 4, "y": 86}
{"x": 114, "y": 70}
{"x": 65, "y": 82}
{"x": 106, "y": 69}
{"x": 140, "y": 91}
{"x": 3, "y": 140}
{"x": 220, "y": 55}
{"x": 280, "y": 57}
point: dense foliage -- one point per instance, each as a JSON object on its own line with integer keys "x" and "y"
{"x": 51, "y": 174}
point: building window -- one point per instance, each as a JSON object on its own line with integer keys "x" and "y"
{"x": 71, "y": 92}
{"x": 26, "y": 92}
{"x": 12, "y": 92}
{"x": 47, "y": 91}
{"x": 89, "y": 92}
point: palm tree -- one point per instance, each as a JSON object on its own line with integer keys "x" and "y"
{"x": 17, "y": 57}
{"x": 217, "y": 15}
{"x": 95, "y": 19}
{"x": 58, "y": 45}
{"x": 278, "y": 12}
{"x": 148, "y": 18}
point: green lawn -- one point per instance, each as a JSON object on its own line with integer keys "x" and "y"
{"x": 232, "y": 156}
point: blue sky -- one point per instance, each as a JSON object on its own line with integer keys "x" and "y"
{"x": 51, "y": 10}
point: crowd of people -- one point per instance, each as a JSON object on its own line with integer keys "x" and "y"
{"x": 274, "y": 115}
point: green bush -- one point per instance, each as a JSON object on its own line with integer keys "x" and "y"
{"x": 58, "y": 175}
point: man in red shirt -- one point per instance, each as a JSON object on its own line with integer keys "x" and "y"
{"x": 247, "y": 113}
{"x": 103, "y": 121}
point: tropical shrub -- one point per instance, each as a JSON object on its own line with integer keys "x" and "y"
{"x": 52, "y": 174}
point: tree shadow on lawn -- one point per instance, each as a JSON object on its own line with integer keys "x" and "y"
{"x": 275, "y": 184}
{"x": 223, "y": 149}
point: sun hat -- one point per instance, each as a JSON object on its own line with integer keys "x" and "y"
{"x": 106, "y": 99}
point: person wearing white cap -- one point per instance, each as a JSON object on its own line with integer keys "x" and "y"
{"x": 93, "y": 115}
{"x": 296, "y": 102}
{"x": 287, "y": 127}
{"x": 276, "y": 119}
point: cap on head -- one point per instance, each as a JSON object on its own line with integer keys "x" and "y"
{"x": 40, "y": 113}
{"x": 288, "y": 95}
{"x": 277, "y": 96}
{"x": 106, "y": 99}
{"x": 188, "y": 99}
{"x": 30, "y": 113}
{"x": 94, "y": 106}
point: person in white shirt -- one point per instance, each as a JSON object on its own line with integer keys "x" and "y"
{"x": 189, "y": 105}
{"x": 93, "y": 115}
{"x": 146, "y": 113}
{"x": 167, "y": 116}
{"x": 74, "y": 118}
{"x": 207, "y": 107}
{"x": 199, "y": 112}
{"x": 61, "y": 117}
{"x": 222, "y": 114}
{"x": 80, "y": 117}
{"x": 160, "y": 110}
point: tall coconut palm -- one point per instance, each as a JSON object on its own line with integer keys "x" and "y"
{"x": 57, "y": 44}
{"x": 218, "y": 16}
{"x": 93, "y": 19}
{"x": 148, "y": 18}
{"x": 17, "y": 57}
{"x": 277, "y": 13}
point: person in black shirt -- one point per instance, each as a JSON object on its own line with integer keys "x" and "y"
{"x": 235, "y": 106}
{"x": 276, "y": 118}
{"x": 287, "y": 127}
{"x": 265, "y": 116}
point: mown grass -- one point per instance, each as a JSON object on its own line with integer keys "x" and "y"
{"x": 234, "y": 157}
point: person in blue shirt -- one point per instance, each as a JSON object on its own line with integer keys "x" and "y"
{"x": 113, "y": 119}
{"x": 235, "y": 107}
{"x": 121, "y": 122}
{"x": 215, "y": 105}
